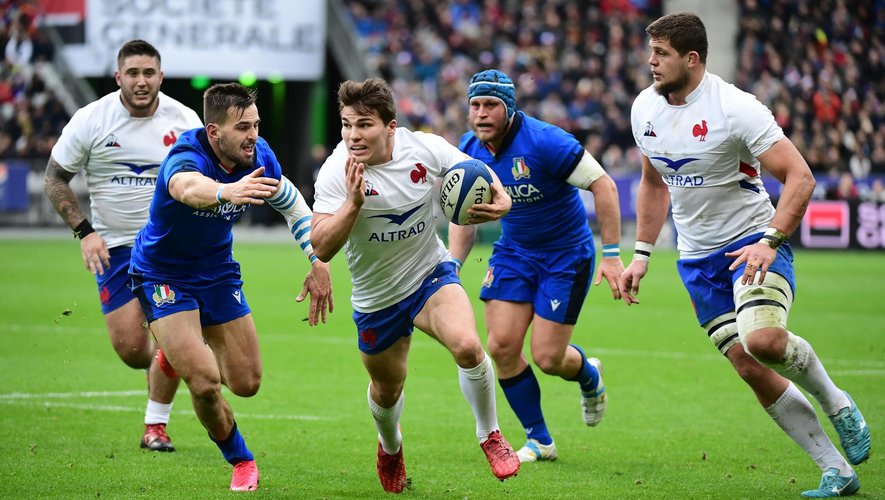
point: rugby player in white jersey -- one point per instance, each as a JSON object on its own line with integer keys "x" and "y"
{"x": 374, "y": 197}
{"x": 704, "y": 144}
{"x": 119, "y": 142}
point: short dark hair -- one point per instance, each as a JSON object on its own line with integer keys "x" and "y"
{"x": 136, "y": 48}
{"x": 684, "y": 31}
{"x": 370, "y": 96}
{"x": 222, "y": 96}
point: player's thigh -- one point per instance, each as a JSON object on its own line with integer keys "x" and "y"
{"x": 448, "y": 317}
{"x": 180, "y": 336}
{"x": 235, "y": 344}
{"x": 128, "y": 334}
{"x": 388, "y": 370}
{"x": 549, "y": 341}
{"x": 507, "y": 323}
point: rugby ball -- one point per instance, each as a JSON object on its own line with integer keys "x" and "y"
{"x": 464, "y": 185}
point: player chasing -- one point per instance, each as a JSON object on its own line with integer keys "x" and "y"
{"x": 735, "y": 260}
{"x": 184, "y": 274}
{"x": 374, "y": 197}
{"x": 540, "y": 268}
{"x": 119, "y": 141}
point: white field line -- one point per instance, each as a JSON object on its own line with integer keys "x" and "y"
{"x": 50, "y": 400}
{"x": 858, "y": 366}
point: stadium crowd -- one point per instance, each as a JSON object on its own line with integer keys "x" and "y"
{"x": 576, "y": 64}
{"x": 31, "y": 116}
{"x": 821, "y": 67}
{"x": 579, "y": 64}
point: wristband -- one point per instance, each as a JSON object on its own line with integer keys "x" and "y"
{"x": 773, "y": 238}
{"x": 218, "y": 195}
{"x": 458, "y": 263}
{"x": 83, "y": 229}
{"x": 611, "y": 250}
{"x": 642, "y": 251}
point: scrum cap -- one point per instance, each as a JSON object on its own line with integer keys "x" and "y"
{"x": 493, "y": 83}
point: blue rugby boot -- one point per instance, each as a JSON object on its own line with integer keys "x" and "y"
{"x": 833, "y": 485}
{"x": 854, "y": 435}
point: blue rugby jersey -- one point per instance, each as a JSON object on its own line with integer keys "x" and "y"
{"x": 181, "y": 240}
{"x": 533, "y": 163}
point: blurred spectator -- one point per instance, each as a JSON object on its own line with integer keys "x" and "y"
{"x": 844, "y": 189}
{"x": 876, "y": 192}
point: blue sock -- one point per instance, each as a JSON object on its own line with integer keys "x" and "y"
{"x": 524, "y": 395}
{"x": 234, "y": 447}
{"x": 588, "y": 377}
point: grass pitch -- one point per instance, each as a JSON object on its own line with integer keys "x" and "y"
{"x": 680, "y": 423}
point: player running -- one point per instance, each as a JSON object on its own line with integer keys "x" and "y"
{"x": 375, "y": 198}
{"x": 704, "y": 144}
{"x": 119, "y": 141}
{"x": 539, "y": 272}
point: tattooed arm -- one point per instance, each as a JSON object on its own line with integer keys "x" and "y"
{"x": 57, "y": 185}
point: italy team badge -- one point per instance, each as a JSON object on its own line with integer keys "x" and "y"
{"x": 163, "y": 295}
{"x": 520, "y": 169}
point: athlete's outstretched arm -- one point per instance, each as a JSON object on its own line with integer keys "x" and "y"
{"x": 329, "y": 232}
{"x": 289, "y": 202}
{"x": 198, "y": 191}
{"x": 652, "y": 204}
{"x": 93, "y": 248}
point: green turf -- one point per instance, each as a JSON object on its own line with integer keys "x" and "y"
{"x": 679, "y": 424}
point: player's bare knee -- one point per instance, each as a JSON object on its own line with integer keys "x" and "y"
{"x": 245, "y": 389}
{"x": 505, "y": 353}
{"x": 203, "y": 387}
{"x": 467, "y": 351}
{"x": 135, "y": 354}
{"x": 548, "y": 363}
{"x": 746, "y": 366}
{"x": 388, "y": 393}
{"x": 767, "y": 344}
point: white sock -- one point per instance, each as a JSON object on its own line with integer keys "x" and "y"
{"x": 478, "y": 386}
{"x": 795, "y": 416}
{"x": 802, "y": 366}
{"x": 157, "y": 413}
{"x": 387, "y": 422}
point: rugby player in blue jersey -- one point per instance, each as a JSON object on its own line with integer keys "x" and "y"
{"x": 704, "y": 144}
{"x": 540, "y": 269}
{"x": 183, "y": 272}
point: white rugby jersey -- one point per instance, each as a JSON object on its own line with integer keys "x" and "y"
{"x": 393, "y": 246}
{"x": 705, "y": 151}
{"x": 121, "y": 156}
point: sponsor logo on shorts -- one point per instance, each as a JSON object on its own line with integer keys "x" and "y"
{"x": 554, "y": 304}
{"x": 237, "y": 296}
{"x": 163, "y": 295}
